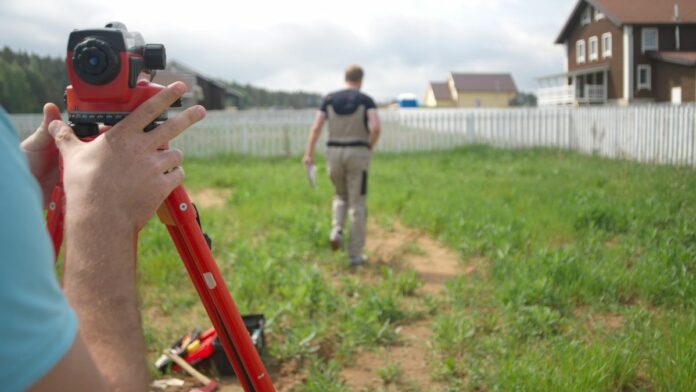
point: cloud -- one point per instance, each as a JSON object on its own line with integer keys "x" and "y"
{"x": 305, "y": 45}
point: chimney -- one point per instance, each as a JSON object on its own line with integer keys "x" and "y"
{"x": 677, "y": 36}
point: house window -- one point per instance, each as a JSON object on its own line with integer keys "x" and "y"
{"x": 594, "y": 50}
{"x": 649, "y": 39}
{"x": 606, "y": 45}
{"x": 644, "y": 77}
{"x": 580, "y": 51}
{"x": 598, "y": 15}
{"x": 586, "y": 17}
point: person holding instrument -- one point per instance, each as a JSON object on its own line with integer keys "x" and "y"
{"x": 113, "y": 185}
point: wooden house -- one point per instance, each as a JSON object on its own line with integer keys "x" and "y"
{"x": 626, "y": 51}
{"x": 202, "y": 90}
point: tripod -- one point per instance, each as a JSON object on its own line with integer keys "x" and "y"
{"x": 181, "y": 219}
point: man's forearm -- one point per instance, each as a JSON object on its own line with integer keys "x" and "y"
{"x": 100, "y": 284}
{"x": 312, "y": 140}
{"x": 374, "y": 137}
{"x": 375, "y": 127}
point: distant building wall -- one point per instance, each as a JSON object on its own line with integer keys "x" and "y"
{"x": 484, "y": 99}
{"x": 429, "y": 99}
{"x": 431, "y": 102}
{"x": 596, "y": 29}
{"x": 214, "y": 97}
{"x": 669, "y": 76}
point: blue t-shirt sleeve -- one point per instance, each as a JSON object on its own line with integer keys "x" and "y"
{"x": 369, "y": 103}
{"x": 324, "y": 104}
{"x": 37, "y": 326}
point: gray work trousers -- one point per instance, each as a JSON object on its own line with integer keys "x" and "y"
{"x": 348, "y": 167}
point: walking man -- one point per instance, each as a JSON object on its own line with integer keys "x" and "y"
{"x": 353, "y": 132}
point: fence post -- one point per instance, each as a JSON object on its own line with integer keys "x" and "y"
{"x": 286, "y": 140}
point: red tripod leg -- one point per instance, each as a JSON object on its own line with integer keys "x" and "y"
{"x": 55, "y": 216}
{"x": 206, "y": 299}
{"x": 179, "y": 215}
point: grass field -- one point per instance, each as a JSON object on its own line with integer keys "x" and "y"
{"x": 589, "y": 277}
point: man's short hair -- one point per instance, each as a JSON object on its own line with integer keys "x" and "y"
{"x": 354, "y": 74}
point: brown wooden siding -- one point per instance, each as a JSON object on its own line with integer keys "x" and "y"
{"x": 667, "y": 42}
{"x": 597, "y": 28}
{"x": 667, "y": 38}
{"x": 674, "y": 75}
{"x": 640, "y": 58}
{"x": 687, "y": 37}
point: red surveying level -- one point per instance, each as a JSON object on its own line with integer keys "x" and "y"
{"x": 104, "y": 66}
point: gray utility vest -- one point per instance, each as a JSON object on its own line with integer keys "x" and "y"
{"x": 348, "y": 130}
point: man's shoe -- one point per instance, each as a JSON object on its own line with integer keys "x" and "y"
{"x": 357, "y": 261}
{"x": 336, "y": 238}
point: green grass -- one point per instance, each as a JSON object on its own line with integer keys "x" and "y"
{"x": 589, "y": 281}
{"x": 391, "y": 373}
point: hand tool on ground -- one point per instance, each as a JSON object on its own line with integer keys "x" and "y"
{"x": 208, "y": 384}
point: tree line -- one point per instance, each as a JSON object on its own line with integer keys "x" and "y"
{"x": 254, "y": 97}
{"x": 28, "y": 81}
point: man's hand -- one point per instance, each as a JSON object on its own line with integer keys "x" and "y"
{"x": 307, "y": 160}
{"x": 122, "y": 172}
{"x": 113, "y": 184}
{"x": 42, "y": 154}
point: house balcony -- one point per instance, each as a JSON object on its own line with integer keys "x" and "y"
{"x": 571, "y": 95}
{"x": 580, "y": 87}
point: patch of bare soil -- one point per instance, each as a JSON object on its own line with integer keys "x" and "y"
{"x": 403, "y": 248}
{"x": 210, "y": 197}
{"x": 285, "y": 376}
{"x": 410, "y": 356}
{"x": 606, "y": 322}
{"x": 433, "y": 263}
{"x": 611, "y": 321}
{"x": 407, "y": 365}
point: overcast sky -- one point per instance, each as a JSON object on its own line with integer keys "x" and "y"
{"x": 305, "y": 44}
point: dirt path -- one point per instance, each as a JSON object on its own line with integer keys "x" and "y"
{"x": 408, "y": 361}
{"x": 403, "y": 248}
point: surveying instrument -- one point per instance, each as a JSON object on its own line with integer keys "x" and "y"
{"x": 104, "y": 66}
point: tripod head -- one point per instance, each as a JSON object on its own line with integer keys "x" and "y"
{"x": 109, "y": 69}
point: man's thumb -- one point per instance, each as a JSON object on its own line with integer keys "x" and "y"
{"x": 51, "y": 112}
{"x": 62, "y": 134}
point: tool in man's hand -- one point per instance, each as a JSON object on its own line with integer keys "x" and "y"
{"x": 208, "y": 384}
{"x": 312, "y": 175}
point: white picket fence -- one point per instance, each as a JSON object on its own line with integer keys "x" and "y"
{"x": 652, "y": 133}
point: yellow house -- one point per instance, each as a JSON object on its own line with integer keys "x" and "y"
{"x": 438, "y": 94}
{"x": 472, "y": 90}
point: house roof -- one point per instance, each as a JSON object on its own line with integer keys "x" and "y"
{"x": 166, "y": 77}
{"x": 681, "y": 58}
{"x": 623, "y": 12}
{"x": 480, "y": 82}
{"x": 178, "y": 71}
{"x": 441, "y": 91}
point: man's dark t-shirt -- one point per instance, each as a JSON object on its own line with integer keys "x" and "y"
{"x": 347, "y": 101}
